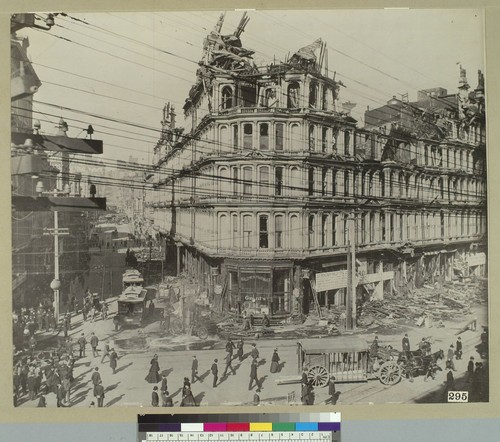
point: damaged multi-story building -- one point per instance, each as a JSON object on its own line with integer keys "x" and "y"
{"x": 256, "y": 193}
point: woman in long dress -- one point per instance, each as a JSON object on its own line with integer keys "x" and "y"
{"x": 188, "y": 398}
{"x": 153, "y": 376}
{"x": 275, "y": 362}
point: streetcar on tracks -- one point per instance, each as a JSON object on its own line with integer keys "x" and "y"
{"x": 348, "y": 359}
{"x": 132, "y": 306}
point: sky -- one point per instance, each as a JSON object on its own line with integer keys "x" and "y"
{"x": 143, "y": 60}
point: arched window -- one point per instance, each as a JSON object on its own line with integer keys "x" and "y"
{"x": 264, "y": 136}
{"x": 224, "y": 182}
{"x": 310, "y": 230}
{"x": 295, "y": 181}
{"x": 248, "y": 136}
{"x": 313, "y": 94}
{"x": 247, "y": 231}
{"x": 247, "y": 180}
{"x": 312, "y": 137}
{"x": 225, "y": 139}
{"x": 223, "y": 231}
{"x": 295, "y": 235}
{"x": 293, "y": 92}
{"x": 278, "y": 231}
{"x": 295, "y": 137}
{"x": 227, "y": 98}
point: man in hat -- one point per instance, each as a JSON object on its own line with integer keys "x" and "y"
{"x": 105, "y": 353}
{"x": 82, "y": 342}
{"x": 458, "y": 351}
{"x": 230, "y": 347}
{"x": 96, "y": 378}
{"x": 449, "y": 359}
{"x": 254, "y": 353}
{"x": 406, "y": 344}
{"x": 470, "y": 369}
{"x": 194, "y": 370}
{"x": 215, "y": 372}
{"x": 94, "y": 342}
{"x": 99, "y": 394}
{"x": 229, "y": 358}
{"x": 254, "y": 376}
{"x": 155, "y": 400}
{"x": 332, "y": 390}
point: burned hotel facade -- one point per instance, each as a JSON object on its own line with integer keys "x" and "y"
{"x": 270, "y": 184}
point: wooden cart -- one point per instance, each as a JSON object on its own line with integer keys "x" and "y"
{"x": 345, "y": 357}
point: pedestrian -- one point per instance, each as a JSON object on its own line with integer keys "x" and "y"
{"x": 66, "y": 383}
{"x": 99, "y": 394}
{"x": 215, "y": 372}
{"x": 332, "y": 390}
{"x": 310, "y": 393}
{"x": 476, "y": 386}
{"x": 185, "y": 385}
{"x": 105, "y": 352}
{"x": 449, "y": 359}
{"x": 374, "y": 348}
{"x": 91, "y": 313}
{"x": 42, "y": 402}
{"x": 450, "y": 385}
{"x": 230, "y": 347}
{"x": 188, "y": 399}
{"x": 82, "y": 342}
{"x": 228, "y": 358}
{"x": 31, "y": 384}
{"x": 470, "y": 369}
{"x": 458, "y": 351}
{"x": 153, "y": 376}
{"x": 304, "y": 396}
{"x": 84, "y": 310}
{"x": 96, "y": 377}
{"x": 151, "y": 308}
{"x": 254, "y": 353}
{"x": 254, "y": 376}
{"x": 194, "y": 370}
{"x": 406, "y": 343}
{"x": 155, "y": 400}
{"x": 164, "y": 383}
{"x": 275, "y": 362}
{"x": 168, "y": 402}
{"x": 60, "y": 394}
{"x": 94, "y": 342}
{"x": 240, "y": 350}
{"x": 113, "y": 358}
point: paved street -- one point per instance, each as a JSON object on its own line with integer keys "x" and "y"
{"x": 128, "y": 386}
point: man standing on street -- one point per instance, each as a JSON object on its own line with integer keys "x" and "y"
{"x": 240, "y": 350}
{"x": 96, "y": 378}
{"x": 406, "y": 344}
{"x": 82, "y": 342}
{"x": 449, "y": 359}
{"x": 458, "y": 351}
{"x": 254, "y": 353}
{"x": 99, "y": 394}
{"x": 164, "y": 384}
{"x": 94, "y": 341}
{"x": 332, "y": 390}
{"x": 194, "y": 370}
{"x": 470, "y": 369}
{"x": 215, "y": 372}
{"x": 254, "y": 376}
{"x": 113, "y": 358}
{"x": 230, "y": 347}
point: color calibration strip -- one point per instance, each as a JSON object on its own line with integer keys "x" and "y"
{"x": 239, "y": 423}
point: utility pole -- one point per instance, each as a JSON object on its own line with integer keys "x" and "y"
{"x": 351, "y": 275}
{"x": 56, "y": 282}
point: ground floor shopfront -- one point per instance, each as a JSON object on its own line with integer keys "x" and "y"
{"x": 281, "y": 287}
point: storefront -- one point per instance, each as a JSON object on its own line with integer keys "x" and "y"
{"x": 257, "y": 288}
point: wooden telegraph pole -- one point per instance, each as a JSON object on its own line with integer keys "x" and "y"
{"x": 351, "y": 276}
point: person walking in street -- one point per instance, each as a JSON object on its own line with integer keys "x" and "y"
{"x": 188, "y": 399}
{"x": 155, "y": 400}
{"x": 230, "y": 347}
{"x": 304, "y": 395}
{"x": 470, "y": 369}
{"x": 332, "y": 390}
{"x": 215, "y": 372}
{"x": 254, "y": 353}
{"x": 275, "y": 362}
{"x": 60, "y": 394}
{"x": 194, "y": 370}
{"x": 153, "y": 376}
{"x": 94, "y": 342}
{"x": 458, "y": 351}
{"x": 164, "y": 384}
{"x": 113, "y": 360}
{"x": 449, "y": 385}
{"x": 105, "y": 352}
{"x": 240, "y": 350}
{"x": 374, "y": 348}
{"x": 96, "y": 378}
{"x": 66, "y": 383}
{"x": 229, "y": 358}
{"x": 449, "y": 358}
{"x": 30, "y": 382}
{"x": 168, "y": 402}
{"x": 151, "y": 308}
{"x": 42, "y": 402}
{"x": 254, "y": 376}
{"x": 99, "y": 394}
{"x": 82, "y": 342}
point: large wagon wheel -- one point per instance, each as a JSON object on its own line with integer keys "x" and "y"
{"x": 409, "y": 370}
{"x": 390, "y": 373}
{"x": 318, "y": 376}
{"x": 202, "y": 332}
{"x": 176, "y": 326}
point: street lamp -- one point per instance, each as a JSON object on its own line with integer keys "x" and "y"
{"x": 55, "y": 285}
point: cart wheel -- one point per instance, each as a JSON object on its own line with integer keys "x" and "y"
{"x": 390, "y": 373}
{"x": 202, "y": 332}
{"x": 318, "y": 375}
{"x": 408, "y": 370}
{"x": 176, "y": 326}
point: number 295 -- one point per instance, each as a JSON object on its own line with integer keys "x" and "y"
{"x": 458, "y": 396}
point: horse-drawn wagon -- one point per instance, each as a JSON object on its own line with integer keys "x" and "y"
{"x": 350, "y": 359}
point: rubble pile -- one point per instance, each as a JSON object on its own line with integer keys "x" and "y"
{"x": 425, "y": 306}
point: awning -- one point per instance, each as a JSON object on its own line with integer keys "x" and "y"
{"x": 57, "y": 143}
{"x": 59, "y": 204}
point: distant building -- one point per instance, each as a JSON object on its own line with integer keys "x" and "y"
{"x": 256, "y": 192}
